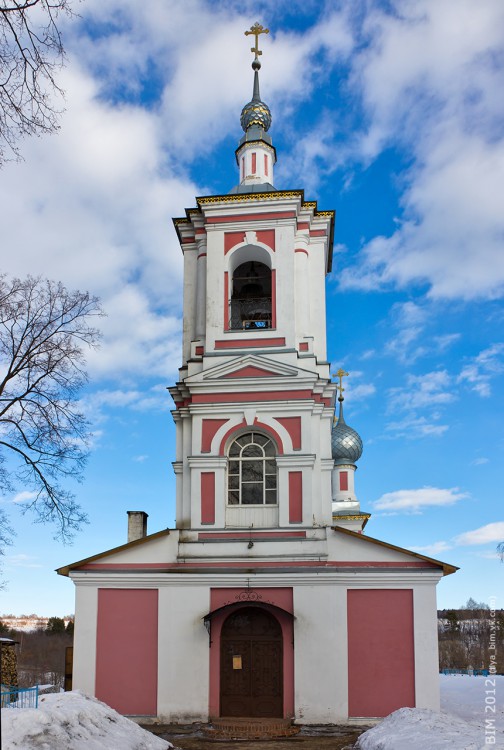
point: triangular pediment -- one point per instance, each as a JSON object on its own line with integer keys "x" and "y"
{"x": 248, "y": 366}
{"x": 251, "y": 371}
{"x": 362, "y": 550}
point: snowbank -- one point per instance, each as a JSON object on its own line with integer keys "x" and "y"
{"x": 467, "y": 702}
{"x": 418, "y": 729}
{"x": 73, "y": 721}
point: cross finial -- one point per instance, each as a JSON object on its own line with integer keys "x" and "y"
{"x": 256, "y": 29}
{"x": 340, "y": 374}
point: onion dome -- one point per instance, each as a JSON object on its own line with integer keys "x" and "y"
{"x": 256, "y": 112}
{"x": 346, "y": 443}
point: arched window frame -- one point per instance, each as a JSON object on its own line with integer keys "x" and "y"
{"x": 245, "y": 253}
{"x": 252, "y": 480}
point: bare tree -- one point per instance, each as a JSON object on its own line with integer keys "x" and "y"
{"x": 31, "y": 52}
{"x": 44, "y": 437}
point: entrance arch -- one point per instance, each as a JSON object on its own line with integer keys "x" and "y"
{"x": 251, "y": 664}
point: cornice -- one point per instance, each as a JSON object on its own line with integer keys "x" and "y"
{"x": 346, "y": 577}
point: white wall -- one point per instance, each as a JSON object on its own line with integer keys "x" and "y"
{"x": 84, "y": 659}
{"x": 426, "y": 647}
{"x": 183, "y": 659}
{"x": 320, "y": 656}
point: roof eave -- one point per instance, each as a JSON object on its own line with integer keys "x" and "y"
{"x": 65, "y": 569}
{"x": 447, "y": 569}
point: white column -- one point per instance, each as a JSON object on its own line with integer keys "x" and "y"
{"x": 201, "y": 289}
{"x": 86, "y": 617}
{"x": 303, "y": 327}
{"x": 426, "y": 646}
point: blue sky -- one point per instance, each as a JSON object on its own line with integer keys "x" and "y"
{"x": 389, "y": 112}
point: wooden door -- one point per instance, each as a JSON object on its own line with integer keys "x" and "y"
{"x": 251, "y": 665}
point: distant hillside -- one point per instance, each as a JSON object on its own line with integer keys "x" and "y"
{"x": 27, "y": 623}
{"x": 471, "y": 638}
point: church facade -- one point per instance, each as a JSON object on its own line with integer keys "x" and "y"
{"x": 267, "y": 600}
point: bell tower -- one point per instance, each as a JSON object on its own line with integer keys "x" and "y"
{"x": 265, "y": 588}
{"x": 254, "y": 402}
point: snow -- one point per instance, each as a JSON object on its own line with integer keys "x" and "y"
{"x": 460, "y": 726}
{"x": 73, "y": 721}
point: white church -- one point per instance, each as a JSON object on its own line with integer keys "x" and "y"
{"x": 268, "y": 600}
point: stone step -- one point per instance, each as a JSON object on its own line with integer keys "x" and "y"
{"x": 244, "y": 728}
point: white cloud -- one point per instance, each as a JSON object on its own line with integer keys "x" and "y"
{"x": 436, "y": 548}
{"x": 417, "y": 499}
{"x": 480, "y": 371}
{"x": 365, "y": 390}
{"x": 491, "y": 533}
{"x": 480, "y": 461}
{"x": 444, "y": 341}
{"x": 98, "y": 405}
{"x": 98, "y": 202}
{"x": 23, "y": 497}
{"x": 140, "y": 459}
{"x": 410, "y": 320}
{"x": 21, "y": 561}
{"x": 429, "y": 389}
{"x": 412, "y": 427}
{"x": 489, "y": 555}
{"x": 431, "y": 80}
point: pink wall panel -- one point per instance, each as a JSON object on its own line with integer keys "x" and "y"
{"x": 265, "y": 427}
{"x": 293, "y": 427}
{"x": 207, "y": 497}
{"x": 232, "y": 238}
{"x": 295, "y": 496}
{"x": 267, "y": 237}
{"x": 343, "y": 481}
{"x": 208, "y": 429}
{"x": 250, "y": 372}
{"x": 242, "y": 343}
{"x": 127, "y": 650}
{"x": 381, "y": 659}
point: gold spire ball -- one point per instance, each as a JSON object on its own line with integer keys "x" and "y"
{"x": 256, "y": 112}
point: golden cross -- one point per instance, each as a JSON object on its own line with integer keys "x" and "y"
{"x": 340, "y": 374}
{"x": 256, "y": 29}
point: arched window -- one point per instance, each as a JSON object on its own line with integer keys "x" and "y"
{"x": 251, "y": 296}
{"x": 252, "y": 473}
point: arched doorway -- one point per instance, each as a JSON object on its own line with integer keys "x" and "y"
{"x": 251, "y": 296}
{"x": 251, "y": 670}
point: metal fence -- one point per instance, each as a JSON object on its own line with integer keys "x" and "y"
{"x": 483, "y": 672}
{"x": 19, "y": 697}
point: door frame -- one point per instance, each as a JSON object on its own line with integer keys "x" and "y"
{"x": 250, "y": 642}
{"x": 285, "y": 619}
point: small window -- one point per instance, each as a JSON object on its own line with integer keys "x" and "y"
{"x": 252, "y": 472}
